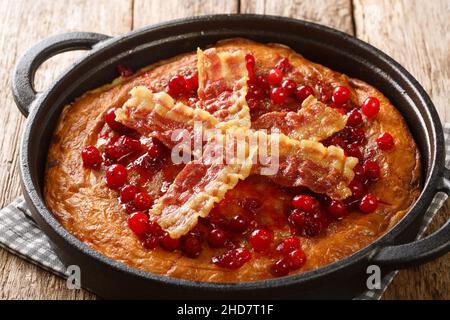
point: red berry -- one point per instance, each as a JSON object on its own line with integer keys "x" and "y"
{"x": 155, "y": 229}
{"x": 122, "y": 147}
{"x": 288, "y": 245}
{"x": 369, "y": 203}
{"x": 284, "y": 65}
{"x": 169, "y": 243}
{"x": 304, "y": 92}
{"x": 192, "y": 246}
{"x": 150, "y": 242}
{"x": 370, "y": 107}
{"x": 177, "y": 86}
{"x": 255, "y": 92}
{"x": 156, "y": 149}
{"x": 275, "y": 76}
{"x": 217, "y": 238}
{"x": 341, "y": 95}
{"x": 354, "y": 118}
{"x": 138, "y": 222}
{"x": 281, "y": 268}
{"x": 289, "y": 86}
{"x": 142, "y": 201}
{"x": 218, "y": 221}
{"x": 260, "y": 239}
{"x": 357, "y": 188}
{"x": 324, "y": 92}
{"x": 116, "y": 176}
{"x": 238, "y": 224}
{"x": 249, "y": 60}
{"x": 127, "y": 193}
{"x": 337, "y": 209}
{"x": 296, "y": 259}
{"x": 250, "y": 65}
{"x": 305, "y": 203}
{"x": 123, "y": 71}
{"x": 91, "y": 157}
{"x": 385, "y": 141}
{"x": 359, "y": 172}
{"x": 358, "y": 136}
{"x": 371, "y": 169}
{"x": 233, "y": 259}
{"x": 110, "y": 119}
{"x": 308, "y": 224}
{"x": 192, "y": 82}
{"x": 278, "y": 95}
{"x": 353, "y": 150}
{"x": 262, "y": 82}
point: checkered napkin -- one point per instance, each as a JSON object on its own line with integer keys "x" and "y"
{"x": 20, "y": 235}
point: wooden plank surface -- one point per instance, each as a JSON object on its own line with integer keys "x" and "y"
{"x": 414, "y": 32}
{"x": 23, "y": 24}
{"x": 336, "y": 14}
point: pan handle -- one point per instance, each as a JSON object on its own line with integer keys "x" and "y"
{"x": 23, "y": 74}
{"x": 421, "y": 251}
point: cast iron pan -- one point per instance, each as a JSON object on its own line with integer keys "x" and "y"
{"x": 343, "y": 279}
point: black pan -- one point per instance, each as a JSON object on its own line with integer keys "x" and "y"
{"x": 343, "y": 279}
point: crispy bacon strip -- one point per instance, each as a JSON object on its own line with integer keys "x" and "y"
{"x": 222, "y": 106}
{"x": 314, "y": 121}
{"x": 145, "y": 111}
{"x": 310, "y": 164}
{"x": 198, "y": 186}
{"x": 222, "y": 88}
{"x": 158, "y": 114}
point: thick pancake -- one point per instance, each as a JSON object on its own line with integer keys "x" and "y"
{"x": 86, "y": 207}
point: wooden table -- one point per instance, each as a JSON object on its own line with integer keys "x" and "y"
{"x": 415, "y": 33}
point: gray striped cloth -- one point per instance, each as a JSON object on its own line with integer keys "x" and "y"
{"x": 20, "y": 235}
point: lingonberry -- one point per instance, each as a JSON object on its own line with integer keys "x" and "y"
{"x": 289, "y": 86}
{"x": 341, "y": 95}
{"x": 127, "y": 193}
{"x": 305, "y": 203}
{"x": 260, "y": 239}
{"x": 296, "y": 259}
{"x": 177, "y": 86}
{"x": 142, "y": 201}
{"x": 354, "y": 118}
{"x": 116, "y": 176}
{"x": 233, "y": 259}
{"x": 304, "y": 92}
{"x": 337, "y": 209}
{"x": 278, "y": 95}
{"x": 370, "y": 107}
{"x": 169, "y": 243}
{"x": 369, "y": 203}
{"x": 275, "y": 76}
{"x": 138, "y": 222}
{"x": 217, "y": 238}
{"x": 385, "y": 141}
{"x": 91, "y": 157}
{"x": 288, "y": 245}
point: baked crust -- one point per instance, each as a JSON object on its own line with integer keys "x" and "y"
{"x": 87, "y": 208}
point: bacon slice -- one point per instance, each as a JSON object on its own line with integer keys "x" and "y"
{"x": 158, "y": 114}
{"x": 310, "y": 164}
{"x": 314, "y": 121}
{"x": 199, "y": 185}
{"x": 222, "y": 88}
{"x": 146, "y": 110}
{"x": 222, "y": 107}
